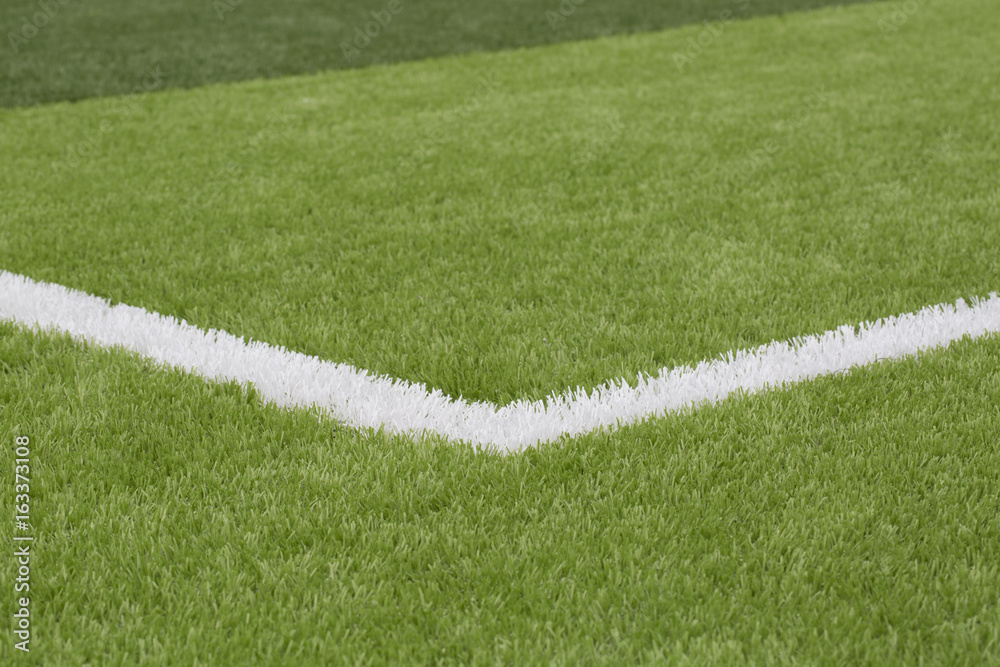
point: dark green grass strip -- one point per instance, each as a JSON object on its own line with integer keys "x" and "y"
{"x": 87, "y": 48}
{"x": 852, "y": 520}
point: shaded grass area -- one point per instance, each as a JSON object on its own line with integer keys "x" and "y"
{"x": 850, "y": 520}
{"x": 87, "y": 48}
{"x": 508, "y": 225}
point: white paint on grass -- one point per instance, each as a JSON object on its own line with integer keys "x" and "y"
{"x": 360, "y": 399}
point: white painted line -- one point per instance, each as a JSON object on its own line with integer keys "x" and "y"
{"x": 360, "y": 399}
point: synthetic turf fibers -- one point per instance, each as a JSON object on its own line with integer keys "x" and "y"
{"x": 846, "y": 520}
{"x": 587, "y": 216}
{"x": 850, "y": 520}
{"x": 362, "y": 400}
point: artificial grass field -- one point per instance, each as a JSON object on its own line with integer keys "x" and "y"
{"x": 76, "y": 49}
{"x": 577, "y": 217}
{"x": 851, "y": 520}
{"x": 590, "y": 212}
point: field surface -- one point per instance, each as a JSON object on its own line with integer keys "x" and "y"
{"x": 503, "y": 226}
{"x": 74, "y": 49}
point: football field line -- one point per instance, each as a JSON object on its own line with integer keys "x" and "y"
{"x": 363, "y": 400}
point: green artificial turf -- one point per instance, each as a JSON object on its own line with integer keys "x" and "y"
{"x": 504, "y": 225}
{"x": 85, "y": 48}
{"x": 511, "y": 224}
{"x": 850, "y": 520}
